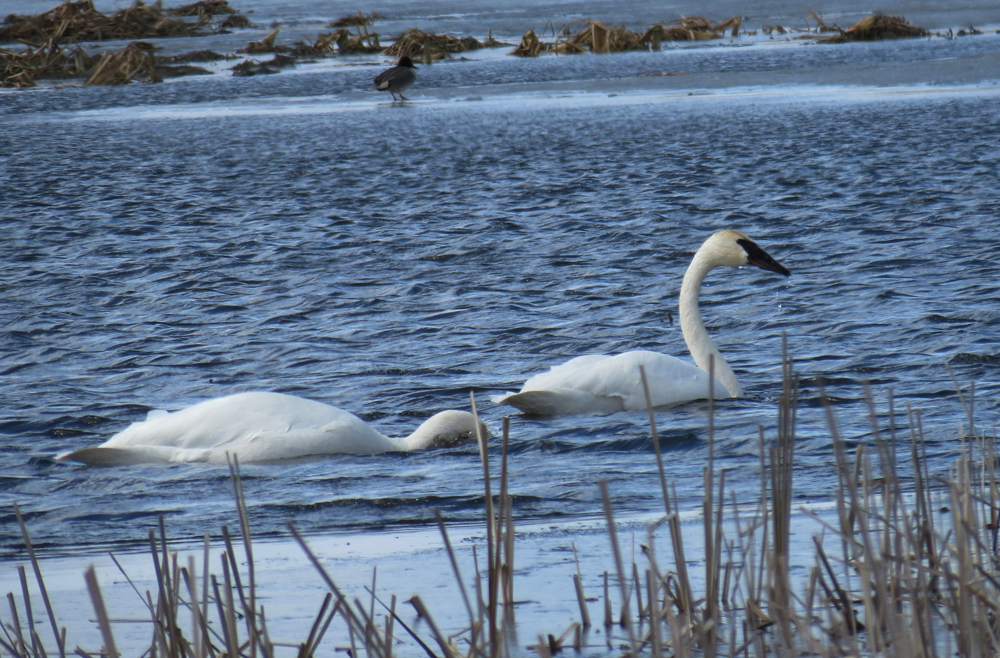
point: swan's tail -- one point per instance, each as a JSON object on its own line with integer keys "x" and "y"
{"x": 132, "y": 455}
{"x": 566, "y": 401}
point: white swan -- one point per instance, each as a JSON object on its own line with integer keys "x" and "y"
{"x": 264, "y": 427}
{"x": 604, "y": 384}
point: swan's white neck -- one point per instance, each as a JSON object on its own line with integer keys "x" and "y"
{"x": 443, "y": 429}
{"x": 695, "y": 335}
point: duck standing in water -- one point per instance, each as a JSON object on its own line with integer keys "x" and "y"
{"x": 397, "y": 79}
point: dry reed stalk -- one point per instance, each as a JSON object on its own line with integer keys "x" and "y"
{"x": 507, "y": 567}
{"x": 29, "y": 615}
{"x": 355, "y": 625}
{"x": 191, "y": 580}
{"x": 782, "y": 463}
{"x": 41, "y": 583}
{"x": 447, "y": 648}
{"x": 102, "y": 614}
{"x": 680, "y": 563}
{"x": 710, "y": 615}
{"x": 16, "y": 647}
{"x": 250, "y": 601}
{"x": 395, "y": 617}
{"x": 619, "y": 565}
{"x": 458, "y": 578}
{"x": 491, "y": 546}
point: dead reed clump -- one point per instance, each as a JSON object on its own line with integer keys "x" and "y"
{"x": 322, "y": 47}
{"x": 251, "y": 67}
{"x": 530, "y": 46}
{"x": 265, "y": 45}
{"x": 877, "y": 27}
{"x": 356, "y": 19}
{"x": 235, "y": 21}
{"x": 134, "y": 61}
{"x": 821, "y": 25}
{"x": 180, "y": 71}
{"x": 362, "y": 43}
{"x": 426, "y": 46}
{"x": 202, "y": 8}
{"x": 79, "y": 21}
{"x": 193, "y": 56}
{"x": 22, "y": 69}
{"x": 891, "y": 577}
{"x": 597, "y": 38}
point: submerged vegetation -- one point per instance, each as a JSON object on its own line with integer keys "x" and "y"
{"x": 908, "y": 566}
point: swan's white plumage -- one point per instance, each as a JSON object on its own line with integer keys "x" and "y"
{"x": 605, "y": 384}
{"x": 598, "y": 383}
{"x": 263, "y": 427}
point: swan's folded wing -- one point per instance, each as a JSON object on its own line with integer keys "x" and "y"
{"x": 231, "y": 420}
{"x": 566, "y": 375}
{"x": 671, "y": 380}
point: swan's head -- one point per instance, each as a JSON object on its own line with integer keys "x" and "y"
{"x": 735, "y": 249}
{"x": 447, "y": 428}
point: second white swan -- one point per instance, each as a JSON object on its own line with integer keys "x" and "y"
{"x": 598, "y": 383}
{"x": 264, "y": 427}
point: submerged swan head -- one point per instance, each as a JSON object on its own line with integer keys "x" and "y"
{"x": 733, "y": 248}
{"x": 447, "y": 428}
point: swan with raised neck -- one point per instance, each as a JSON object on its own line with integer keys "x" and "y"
{"x": 264, "y": 427}
{"x": 604, "y": 384}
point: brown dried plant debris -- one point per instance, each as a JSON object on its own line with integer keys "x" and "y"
{"x": 597, "y": 38}
{"x": 193, "y": 56}
{"x": 265, "y": 45}
{"x": 134, "y": 61}
{"x": 235, "y": 21}
{"x": 356, "y": 19}
{"x": 22, "y": 69}
{"x": 877, "y": 27}
{"x": 201, "y": 8}
{"x": 79, "y": 21}
{"x": 417, "y": 44}
{"x": 362, "y": 43}
{"x": 252, "y": 67}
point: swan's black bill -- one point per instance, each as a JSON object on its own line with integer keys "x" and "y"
{"x": 760, "y": 258}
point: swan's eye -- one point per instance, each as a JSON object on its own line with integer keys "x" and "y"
{"x": 760, "y": 258}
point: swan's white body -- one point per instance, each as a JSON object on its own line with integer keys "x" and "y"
{"x": 605, "y": 384}
{"x": 263, "y": 427}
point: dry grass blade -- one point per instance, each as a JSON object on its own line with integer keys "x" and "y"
{"x": 616, "y": 549}
{"x": 673, "y": 521}
{"x": 355, "y": 625}
{"x": 102, "y": 614}
{"x": 457, "y": 572}
{"x": 19, "y": 647}
{"x": 395, "y": 617}
{"x": 41, "y": 582}
{"x": 446, "y": 647}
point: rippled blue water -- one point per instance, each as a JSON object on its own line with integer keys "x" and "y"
{"x": 389, "y": 260}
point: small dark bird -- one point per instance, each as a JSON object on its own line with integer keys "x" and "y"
{"x": 397, "y": 79}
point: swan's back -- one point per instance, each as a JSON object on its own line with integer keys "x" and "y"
{"x": 603, "y": 384}
{"x": 256, "y": 426}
